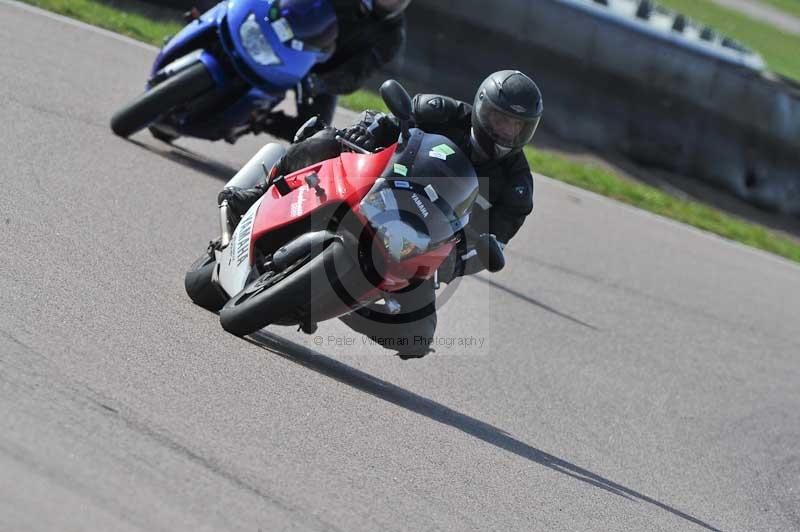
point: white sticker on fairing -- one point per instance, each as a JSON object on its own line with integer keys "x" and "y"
{"x": 283, "y": 29}
{"x": 235, "y": 260}
{"x": 438, "y": 155}
{"x": 296, "y": 209}
{"x": 297, "y": 45}
{"x": 431, "y": 192}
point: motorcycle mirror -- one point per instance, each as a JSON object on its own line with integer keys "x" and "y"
{"x": 397, "y": 99}
{"x": 490, "y": 253}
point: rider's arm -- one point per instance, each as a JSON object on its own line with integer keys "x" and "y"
{"x": 348, "y": 70}
{"x": 430, "y": 112}
{"x": 437, "y": 114}
{"x": 515, "y": 203}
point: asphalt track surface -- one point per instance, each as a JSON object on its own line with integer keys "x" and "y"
{"x": 635, "y": 374}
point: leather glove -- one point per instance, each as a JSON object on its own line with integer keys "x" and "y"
{"x": 239, "y": 199}
{"x": 374, "y": 130}
{"x": 359, "y": 136}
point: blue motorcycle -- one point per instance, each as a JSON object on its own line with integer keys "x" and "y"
{"x": 223, "y": 73}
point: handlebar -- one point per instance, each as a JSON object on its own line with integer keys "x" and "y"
{"x": 354, "y": 147}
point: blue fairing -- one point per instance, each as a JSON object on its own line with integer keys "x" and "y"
{"x": 188, "y": 38}
{"x": 308, "y": 19}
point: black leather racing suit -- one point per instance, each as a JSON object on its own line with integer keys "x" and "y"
{"x": 364, "y": 45}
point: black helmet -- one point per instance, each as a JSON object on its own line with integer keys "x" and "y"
{"x": 383, "y": 9}
{"x": 506, "y": 112}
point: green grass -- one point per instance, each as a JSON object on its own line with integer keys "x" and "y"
{"x": 653, "y": 200}
{"x": 133, "y": 19}
{"x": 780, "y": 50}
{"x": 137, "y": 20}
{"x": 360, "y": 100}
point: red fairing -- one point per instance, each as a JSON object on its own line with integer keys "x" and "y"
{"x": 346, "y": 178}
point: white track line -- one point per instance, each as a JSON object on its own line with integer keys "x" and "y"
{"x": 571, "y": 188}
{"x": 77, "y": 23}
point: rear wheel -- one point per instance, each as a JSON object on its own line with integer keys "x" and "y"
{"x": 180, "y": 88}
{"x": 199, "y": 285}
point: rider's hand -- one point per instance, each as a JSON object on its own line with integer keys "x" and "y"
{"x": 360, "y": 136}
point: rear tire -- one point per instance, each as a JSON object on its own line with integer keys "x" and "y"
{"x": 147, "y": 107}
{"x": 199, "y": 285}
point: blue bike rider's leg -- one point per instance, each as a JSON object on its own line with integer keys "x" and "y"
{"x": 323, "y": 106}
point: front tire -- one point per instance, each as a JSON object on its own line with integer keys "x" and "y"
{"x": 147, "y": 107}
{"x": 199, "y": 285}
{"x": 306, "y": 290}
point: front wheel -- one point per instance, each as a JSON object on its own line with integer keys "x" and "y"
{"x": 309, "y": 289}
{"x": 145, "y": 109}
{"x": 199, "y": 285}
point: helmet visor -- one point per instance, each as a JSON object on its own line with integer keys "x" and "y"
{"x": 505, "y": 129}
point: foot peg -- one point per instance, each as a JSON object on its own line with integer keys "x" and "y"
{"x": 308, "y": 327}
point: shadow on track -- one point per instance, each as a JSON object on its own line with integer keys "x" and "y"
{"x": 190, "y": 160}
{"x": 438, "y": 412}
{"x": 528, "y": 299}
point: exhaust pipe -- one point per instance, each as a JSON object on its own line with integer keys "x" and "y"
{"x": 224, "y": 225}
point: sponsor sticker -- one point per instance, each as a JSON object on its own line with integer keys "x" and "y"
{"x": 283, "y": 29}
{"x": 402, "y": 184}
{"x": 400, "y": 169}
{"x": 297, "y": 45}
{"x": 442, "y": 151}
{"x": 431, "y": 192}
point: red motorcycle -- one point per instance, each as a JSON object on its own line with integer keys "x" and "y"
{"x": 341, "y": 234}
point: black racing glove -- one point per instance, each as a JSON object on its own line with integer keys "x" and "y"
{"x": 239, "y": 199}
{"x": 359, "y": 136}
{"x": 374, "y": 130}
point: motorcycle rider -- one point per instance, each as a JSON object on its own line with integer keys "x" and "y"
{"x": 371, "y": 35}
{"x": 492, "y": 132}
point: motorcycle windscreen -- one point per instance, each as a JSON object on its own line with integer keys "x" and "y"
{"x": 424, "y": 197}
{"x": 311, "y": 22}
{"x": 437, "y": 166}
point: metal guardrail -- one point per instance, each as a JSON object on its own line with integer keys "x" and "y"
{"x": 662, "y": 23}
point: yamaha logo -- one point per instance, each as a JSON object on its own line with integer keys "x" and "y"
{"x": 420, "y": 205}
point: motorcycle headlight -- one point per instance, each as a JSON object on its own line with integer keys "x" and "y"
{"x": 399, "y": 237}
{"x": 256, "y": 44}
